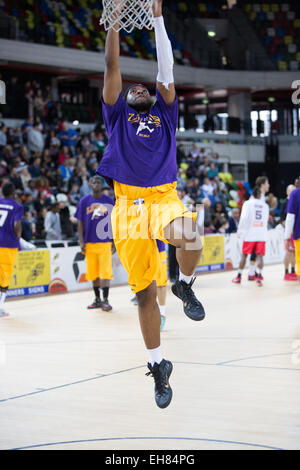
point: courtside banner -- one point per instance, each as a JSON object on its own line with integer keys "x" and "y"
{"x": 68, "y": 270}
{"x": 212, "y": 258}
{"x": 31, "y": 275}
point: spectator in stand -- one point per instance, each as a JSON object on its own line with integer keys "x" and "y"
{"x": 85, "y": 187}
{"x": 28, "y": 203}
{"x": 212, "y": 171}
{"x": 216, "y": 161}
{"x": 28, "y": 123}
{"x": 65, "y": 172}
{"x": 28, "y": 226}
{"x": 219, "y": 216}
{"x": 16, "y": 139}
{"x": 3, "y": 168}
{"x": 234, "y": 219}
{"x": 35, "y": 139}
{"x": 101, "y": 143}
{"x": 202, "y": 154}
{"x": 194, "y": 152}
{"x": 194, "y": 190}
{"x": 207, "y": 188}
{"x": 35, "y": 168}
{"x": 3, "y": 137}
{"x": 15, "y": 179}
{"x": 67, "y": 227}
{"x": 74, "y": 194}
{"x": 85, "y": 143}
{"x": 54, "y": 114}
{"x": 53, "y": 143}
{"x": 31, "y": 189}
{"x": 40, "y": 224}
{"x": 181, "y": 157}
{"x": 39, "y": 104}
{"x": 30, "y": 101}
{"x": 223, "y": 225}
{"x": 39, "y": 202}
{"x": 68, "y": 136}
{"x": 181, "y": 181}
{"x": 52, "y": 223}
{"x": 63, "y": 155}
{"x": 186, "y": 200}
{"x": 24, "y": 175}
{"x": 208, "y": 216}
{"x": 202, "y": 171}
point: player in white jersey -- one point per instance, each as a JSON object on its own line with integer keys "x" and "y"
{"x": 253, "y": 229}
{"x": 262, "y": 182}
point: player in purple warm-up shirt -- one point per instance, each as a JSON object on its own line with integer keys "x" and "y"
{"x": 95, "y": 238}
{"x": 11, "y": 213}
{"x": 292, "y": 225}
{"x": 140, "y": 163}
{"x": 149, "y": 140}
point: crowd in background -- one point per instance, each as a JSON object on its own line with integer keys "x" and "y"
{"x": 50, "y": 163}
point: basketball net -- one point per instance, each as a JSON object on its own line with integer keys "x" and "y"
{"x": 127, "y": 14}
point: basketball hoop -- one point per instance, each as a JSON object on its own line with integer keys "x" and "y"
{"x": 127, "y": 14}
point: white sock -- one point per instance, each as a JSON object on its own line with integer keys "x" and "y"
{"x": 258, "y": 270}
{"x": 240, "y": 272}
{"x": 162, "y": 309}
{"x": 183, "y": 277}
{"x": 155, "y": 355}
{"x": 2, "y": 298}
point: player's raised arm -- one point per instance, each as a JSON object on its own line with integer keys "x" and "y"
{"x": 112, "y": 75}
{"x": 165, "y": 60}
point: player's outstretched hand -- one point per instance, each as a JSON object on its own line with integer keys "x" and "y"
{"x": 157, "y": 7}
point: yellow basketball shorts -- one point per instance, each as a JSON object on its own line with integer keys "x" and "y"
{"x": 7, "y": 263}
{"x": 138, "y": 219}
{"x": 98, "y": 261}
{"x": 297, "y": 255}
{"x": 162, "y": 276}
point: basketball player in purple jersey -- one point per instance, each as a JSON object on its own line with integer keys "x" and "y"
{"x": 11, "y": 213}
{"x": 95, "y": 238}
{"x": 292, "y": 225}
{"x": 140, "y": 163}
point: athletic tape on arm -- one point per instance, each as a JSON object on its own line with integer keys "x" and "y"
{"x": 164, "y": 53}
{"x": 289, "y": 226}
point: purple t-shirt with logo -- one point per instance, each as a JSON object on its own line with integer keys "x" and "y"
{"x": 141, "y": 150}
{"x": 294, "y": 208}
{"x": 95, "y": 215}
{"x": 160, "y": 245}
{"x": 10, "y": 212}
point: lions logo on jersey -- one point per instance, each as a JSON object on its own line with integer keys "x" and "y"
{"x": 148, "y": 123}
{"x": 97, "y": 210}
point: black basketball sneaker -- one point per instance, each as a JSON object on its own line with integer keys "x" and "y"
{"x": 161, "y": 374}
{"x": 191, "y": 305}
{"x": 106, "y": 305}
{"x": 96, "y": 304}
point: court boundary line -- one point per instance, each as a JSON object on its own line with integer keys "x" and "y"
{"x": 100, "y": 376}
{"x": 263, "y": 446}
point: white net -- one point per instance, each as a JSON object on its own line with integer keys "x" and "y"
{"x": 127, "y": 14}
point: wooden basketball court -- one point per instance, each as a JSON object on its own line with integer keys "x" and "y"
{"x": 75, "y": 379}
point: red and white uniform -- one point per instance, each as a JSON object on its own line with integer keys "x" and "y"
{"x": 253, "y": 226}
